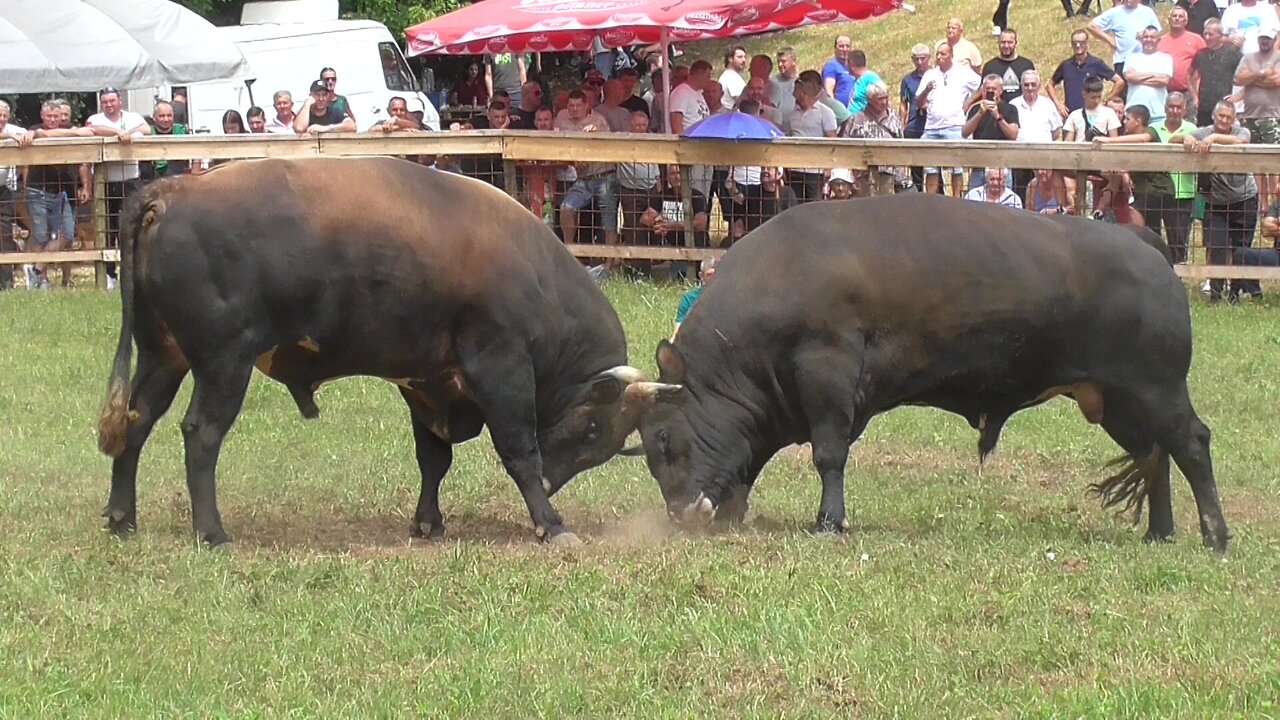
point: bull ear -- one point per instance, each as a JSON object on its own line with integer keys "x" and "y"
{"x": 670, "y": 363}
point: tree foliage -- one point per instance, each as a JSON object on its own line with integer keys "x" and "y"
{"x": 395, "y": 14}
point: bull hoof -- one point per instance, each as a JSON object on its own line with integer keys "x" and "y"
{"x": 120, "y": 523}
{"x": 1157, "y": 537}
{"x": 830, "y": 526}
{"x": 1217, "y": 544}
{"x": 564, "y": 539}
{"x": 427, "y": 531}
{"x": 217, "y": 541}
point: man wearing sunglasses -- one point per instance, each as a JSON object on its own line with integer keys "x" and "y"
{"x": 1071, "y": 74}
{"x": 329, "y": 78}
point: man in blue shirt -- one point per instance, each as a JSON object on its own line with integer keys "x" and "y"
{"x": 705, "y": 274}
{"x": 1072, "y": 72}
{"x": 1120, "y": 27}
{"x": 836, "y": 77}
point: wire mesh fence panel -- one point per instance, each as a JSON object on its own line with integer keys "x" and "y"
{"x": 645, "y": 201}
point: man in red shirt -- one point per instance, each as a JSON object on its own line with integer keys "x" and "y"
{"x": 1182, "y": 45}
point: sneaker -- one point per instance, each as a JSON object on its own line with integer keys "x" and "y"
{"x": 1205, "y": 289}
{"x": 111, "y": 283}
{"x": 44, "y": 284}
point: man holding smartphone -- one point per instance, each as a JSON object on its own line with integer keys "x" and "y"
{"x": 990, "y": 118}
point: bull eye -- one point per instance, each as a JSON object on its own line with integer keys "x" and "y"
{"x": 664, "y": 441}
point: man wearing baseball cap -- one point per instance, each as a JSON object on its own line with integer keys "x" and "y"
{"x": 318, "y": 115}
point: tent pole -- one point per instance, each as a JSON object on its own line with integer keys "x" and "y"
{"x": 664, "y": 41}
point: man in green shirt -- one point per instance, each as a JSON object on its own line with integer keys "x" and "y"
{"x": 162, "y": 124}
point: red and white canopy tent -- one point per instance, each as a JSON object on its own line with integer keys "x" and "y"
{"x": 498, "y": 26}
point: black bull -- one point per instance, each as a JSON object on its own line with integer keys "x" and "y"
{"x": 832, "y": 313}
{"x": 318, "y": 269}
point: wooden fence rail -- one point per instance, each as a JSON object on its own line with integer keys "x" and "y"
{"x": 1072, "y": 158}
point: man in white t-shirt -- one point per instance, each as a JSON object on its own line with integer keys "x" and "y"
{"x": 1120, "y": 26}
{"x": 1038, "y": 121}
{"x": 810, "y": 119}
{"x": 994, "y": 191}
{"x": 1147, "y": 75}
{"x": 688, "y": 106}
{"x": 1093, "y": 120}
{"x": 122, "y": 178}
{"x": 1241, "y": 22}
{"x": 942, "y": 94}
{"x": 735, "y": 60}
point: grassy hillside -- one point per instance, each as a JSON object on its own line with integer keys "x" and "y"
{"x": 1043, "y": 36}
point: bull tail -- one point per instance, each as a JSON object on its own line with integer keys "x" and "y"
{"x": 1130, "y": 487}
{"x": 113, "y": 425}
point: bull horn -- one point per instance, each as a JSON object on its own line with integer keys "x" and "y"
{"x": 623, "y": 373}
{"x": 633, "y": 451}
{"x": 648, "y": 392}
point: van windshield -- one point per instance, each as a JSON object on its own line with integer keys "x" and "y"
{"x": 395, "y": 70}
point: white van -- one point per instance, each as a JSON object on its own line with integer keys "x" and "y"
{"x": 288, "y": 55}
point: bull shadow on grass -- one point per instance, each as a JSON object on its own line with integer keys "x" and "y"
{"x": 309, "y": 530}
{"x": 328, "y": 529}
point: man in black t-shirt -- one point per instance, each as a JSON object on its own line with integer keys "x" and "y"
{"x": 530, "y": 100}
{"x": 666, "y": 213}
{"x": 990, "y": 118}
{"x": 318, "y": 115}
{"x": 1009, "y": 65}
{"x": 630, "y": 78}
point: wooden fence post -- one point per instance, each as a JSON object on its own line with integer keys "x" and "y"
{"x": 100, "y": 225}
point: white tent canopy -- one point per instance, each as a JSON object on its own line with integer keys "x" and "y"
{"x": 85, "y": 45}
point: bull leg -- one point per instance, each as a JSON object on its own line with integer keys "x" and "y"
{"x": 215, "y": 403}
{"x": 502, "y": 382}
{"x": 1160, "y": 503}
{"x": 434, "y": 458}
{"x": 825, "y": 382}
{"x": 1130, "y": 426}
{"x": 830, "y": 453}
{"x": 155, "y": 383}
{"x": 1188, "y": 442}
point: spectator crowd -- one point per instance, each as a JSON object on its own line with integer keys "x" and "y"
{"x": 1204, "y": 76}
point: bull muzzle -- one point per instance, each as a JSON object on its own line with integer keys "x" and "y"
{"x": 696, "y": 514}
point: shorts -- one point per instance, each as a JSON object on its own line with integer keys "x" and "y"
{"x": 604, "y": 189}
{"x": 949, "y": 133}
{"x": 1262, "y": 131}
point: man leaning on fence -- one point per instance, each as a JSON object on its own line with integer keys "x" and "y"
{"x": 596, "y": 182}
{"x": 163, "y": 125}
{"x": 1231, "y": 202}
{"x": 123, "y": 178}
{"x": 52, "y": 191}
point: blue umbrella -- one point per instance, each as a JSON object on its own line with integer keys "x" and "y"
{"x": 733, "y": 126}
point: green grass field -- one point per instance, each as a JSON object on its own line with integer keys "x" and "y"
{"x": 1006, "y": 594}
